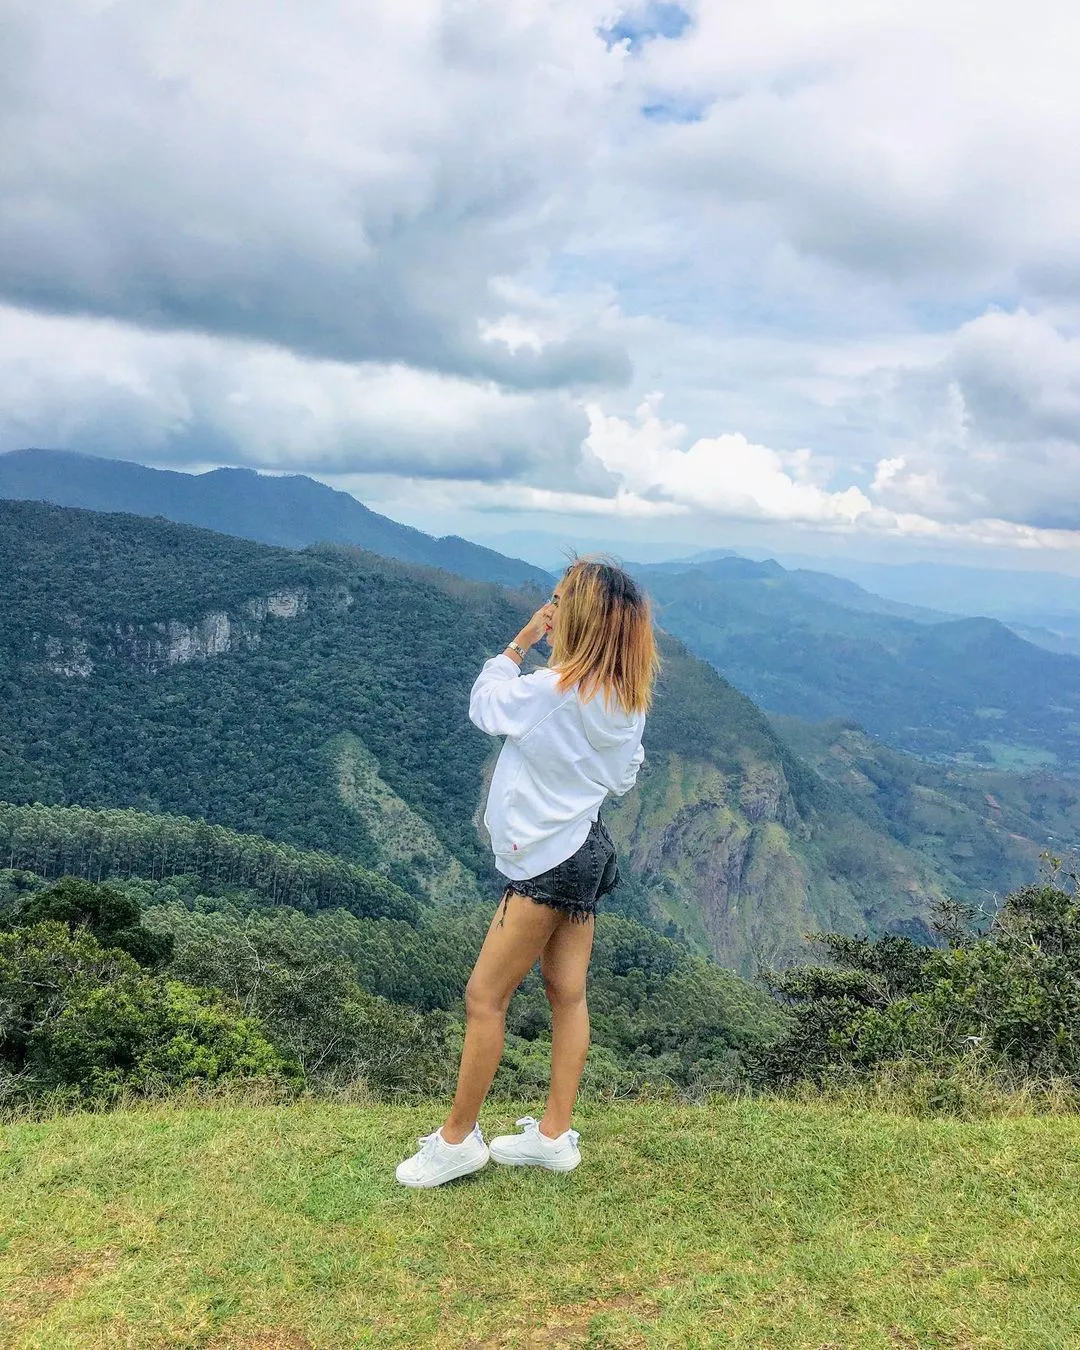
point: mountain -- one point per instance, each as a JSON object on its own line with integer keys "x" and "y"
{"x": 549, "y": 550}
{"x": 319, "y": 698}
{"x": 291, "y": 511}
{"x": 990, "y": 826}
{"x": 949, "y": 689}
{"x": 840, "y": 591}
{"x": 1042, "y": 602}
{"x": 955, "y": 587}
{"x": 1055, "y": 632}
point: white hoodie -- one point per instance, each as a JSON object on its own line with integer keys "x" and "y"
{"x": 560, "y": 760}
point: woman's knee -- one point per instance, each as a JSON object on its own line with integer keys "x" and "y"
{"x": 481, "y": 1000}
{"x": 562, "y": 992}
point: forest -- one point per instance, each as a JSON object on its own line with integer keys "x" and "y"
{"x": 238, "y": 796}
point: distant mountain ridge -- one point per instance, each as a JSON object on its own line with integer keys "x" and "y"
{"x": 1042, "y": 607}
{"x": 808, "y": 645}
{"x": 956, "y": 587}
{"x": 291, "y": 511}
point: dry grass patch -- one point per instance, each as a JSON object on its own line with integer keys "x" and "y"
{"x": 574, "y": 1324}
{"x": 30, "y": 1293}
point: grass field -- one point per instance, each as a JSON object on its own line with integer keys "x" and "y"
{"x": 751, "y": 1224}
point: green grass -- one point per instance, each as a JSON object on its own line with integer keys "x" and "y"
{"x": 752, "y": 1224}
{"x": 1013, "y": 756}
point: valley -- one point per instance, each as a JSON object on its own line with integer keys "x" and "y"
{"x": 318, "y": 698}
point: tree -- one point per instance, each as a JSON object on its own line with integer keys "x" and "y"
{"x": 110, "y": 916}
{"x": 1011, "y": 993}
{"x": 42, "y": 969}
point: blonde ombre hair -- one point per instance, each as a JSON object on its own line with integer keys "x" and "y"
{"x": 602, "y": 638}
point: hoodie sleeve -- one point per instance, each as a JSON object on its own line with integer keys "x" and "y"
{"x": 629, "y": 778}
{"x": 505, "y": 703}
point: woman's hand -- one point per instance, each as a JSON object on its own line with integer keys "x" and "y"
{"x": 538, "y": 626}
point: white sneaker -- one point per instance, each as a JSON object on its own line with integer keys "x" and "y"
{"x": 437, "y": 1161}
{"x": 533, "y": 1149}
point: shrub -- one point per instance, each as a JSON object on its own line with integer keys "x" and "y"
{"x": 42, "y": 969}
{"x": 84, "y": 1020}
{"x": 1010, "y": 995}
{"x": 282, "y": 968}
{"x": 141, "y": 1034}
{"x": 103, "y": 911}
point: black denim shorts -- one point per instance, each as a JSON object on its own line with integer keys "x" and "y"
{"x": 574, "y": 886}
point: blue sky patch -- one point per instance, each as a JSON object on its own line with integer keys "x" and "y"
{"x": 656, "y": 19}
{"x": 674, "y": 110}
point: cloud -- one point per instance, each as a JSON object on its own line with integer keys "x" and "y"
{"x": 345, "y": 181}
{"x": 180, "y": 399}
{"x": 727, "y": 477}
{"x": 990, "y": 429}
{"x": 902, "y": 140}
{"x": 721, "y": 476}
{"x": 705, "y": 488}
{"x": 452, "y": 248}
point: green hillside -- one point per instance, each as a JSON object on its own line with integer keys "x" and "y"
{"x": 319, "y": 699}
{"x": 808, "y": 646}
{"x": 732, "y": 1225}
{"x": 989, "y": 827}
{"x": 290, "y": 510}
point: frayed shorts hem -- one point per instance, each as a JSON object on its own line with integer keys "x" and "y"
{"x": 575, "y": 913}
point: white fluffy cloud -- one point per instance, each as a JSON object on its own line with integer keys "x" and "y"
{"x": 724, "y": 476}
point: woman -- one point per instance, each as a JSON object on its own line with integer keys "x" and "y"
{"x": 573, "y": 734}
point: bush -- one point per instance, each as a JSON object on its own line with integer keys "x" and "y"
{"x": 103, "y": 911}
{"x": 139, "y": 1034}
{"x": 282, "y": 968}
{"x": 42, "y": 969}
{"x": 84, "y": 1021}
{"x": 1009, "y": 996}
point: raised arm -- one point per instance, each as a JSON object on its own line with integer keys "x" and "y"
{"x": 502, "y": 703}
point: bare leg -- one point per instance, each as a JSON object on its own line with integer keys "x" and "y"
{"x": 508, "y": 954}
{"x": 565, "y": 965}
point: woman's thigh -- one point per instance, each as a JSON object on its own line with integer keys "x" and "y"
{"x": 516, "y": 936}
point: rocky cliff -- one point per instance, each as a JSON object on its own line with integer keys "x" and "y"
{"x": 152, "y": 647}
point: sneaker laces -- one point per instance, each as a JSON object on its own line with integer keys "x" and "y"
{"x": 428, "y": 1143}
{"x": 531, "y": 1123}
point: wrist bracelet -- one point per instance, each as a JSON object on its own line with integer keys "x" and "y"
{"x": 513, "y": 647}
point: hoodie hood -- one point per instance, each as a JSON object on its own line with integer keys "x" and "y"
{"x": 606, "y": 726}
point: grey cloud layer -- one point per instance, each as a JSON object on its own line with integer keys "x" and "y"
{"x": 345, "y": 182}
{"x": 990, "y": 430}
{"x": 178, "y": 399}
{"x": 913, "y": 142}
{"x": 371, "y": 189}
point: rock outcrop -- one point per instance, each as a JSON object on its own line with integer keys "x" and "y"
{"x": 150, "y": 647}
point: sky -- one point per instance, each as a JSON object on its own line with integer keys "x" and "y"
{"x": 729, "y": 272}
